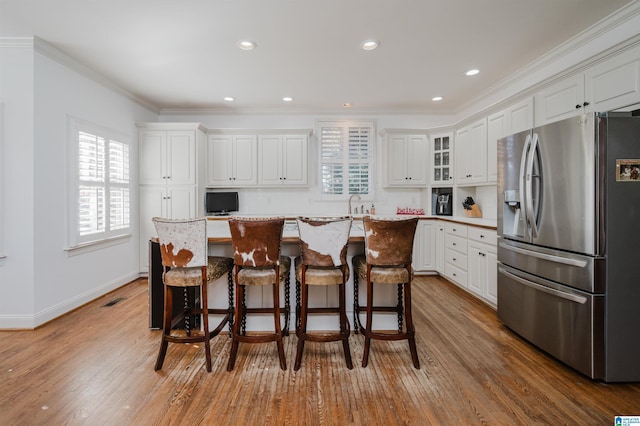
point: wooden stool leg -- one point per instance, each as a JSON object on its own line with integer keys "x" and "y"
{"x": 368, "y": 325}
{"x": 276, "y": 315}
{"x": 287, "y": 305}
{"x": 236, "y": 326}
{"x": 302, "y": 332}
{"x": 344, "y": 325}
{"x": 231, "y": 306}
{"x": 298, "y": 307}
{"x": 357, "y": 326}
{"x": 410, "y": 327}
{"x": 205, "y": 319}
{"x": 166, "y": 329}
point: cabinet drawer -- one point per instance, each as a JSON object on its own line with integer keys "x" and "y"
{"x": 456, "y": 229}
{"x": 456, "y": 258}
{"x": 482, "y": 235}
{"x": 456, "y": 274}
{"x": 456, "y": 243}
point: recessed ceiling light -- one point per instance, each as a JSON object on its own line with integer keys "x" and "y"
{"x": 370, "y": 44}
{"x": 347, "y": 104}
{"x": 473, "y": 72}
{"x": 287, "y": 99}
{"x": 246, "y": 45}
{"x": 436, "y": 98}
{"x": 229, "y": 99}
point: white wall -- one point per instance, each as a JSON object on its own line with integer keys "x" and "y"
{"x": 39, "y": 280}
{"x": 17, "y": 270}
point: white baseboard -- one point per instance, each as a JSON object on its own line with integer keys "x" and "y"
{"x": 29, "y": 322}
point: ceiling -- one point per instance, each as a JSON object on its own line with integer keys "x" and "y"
{"x": 183, "y": 54}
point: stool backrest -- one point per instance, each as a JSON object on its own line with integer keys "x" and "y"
{"x": 389, "y": 242}
{"x": 256, "y": 241}
{"x": 324, "y": 242}
{"x": 183, "y": 243}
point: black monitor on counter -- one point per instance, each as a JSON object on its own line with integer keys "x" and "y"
{"x": 221, "y": 203}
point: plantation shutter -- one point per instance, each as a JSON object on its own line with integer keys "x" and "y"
{"x": 345, "y": 157}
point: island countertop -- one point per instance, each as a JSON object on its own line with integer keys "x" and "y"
{"x": 218, "y": 229}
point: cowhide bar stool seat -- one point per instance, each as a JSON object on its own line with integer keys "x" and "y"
{"x": 183, "y": 248}
{"x": 387, "y": 260}
{"x": 323, "y": 262}
{"x": 257, "y": 262}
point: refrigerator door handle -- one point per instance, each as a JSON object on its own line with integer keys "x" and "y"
{"x": 530, "y": 213}
{"x": 544, "y": 256}
{"x": 563, "y": 295}
{"x": 523, "y": 162}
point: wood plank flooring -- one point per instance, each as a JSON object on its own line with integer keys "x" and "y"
{"x": 94, "y": 366}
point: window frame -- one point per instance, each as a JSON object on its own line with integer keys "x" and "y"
{"x": 372, "y": 143}
{"x": 76, "y": 242}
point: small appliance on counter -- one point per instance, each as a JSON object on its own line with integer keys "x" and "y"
{"x": 444, "y": 202}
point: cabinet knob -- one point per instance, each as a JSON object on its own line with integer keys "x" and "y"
{"x": 578, "y": 106}
{"x": 481, "y": 235}
{"x": 586, "y": 104}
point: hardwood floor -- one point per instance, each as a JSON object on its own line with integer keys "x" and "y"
{"x": 95, "y": 366}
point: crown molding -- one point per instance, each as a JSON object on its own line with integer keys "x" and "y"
{"x": 41, "y": 46}
{"x": 610, "y": 35}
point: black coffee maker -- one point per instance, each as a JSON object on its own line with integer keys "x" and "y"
{"x": 444, "y": 203}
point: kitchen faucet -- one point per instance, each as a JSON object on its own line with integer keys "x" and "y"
{"x": 350, "y": 199}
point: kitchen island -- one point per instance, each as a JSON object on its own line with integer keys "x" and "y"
{"x": 220, "y": 245}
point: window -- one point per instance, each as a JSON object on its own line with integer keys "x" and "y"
{"x": 101, "y": 190}
{"x": 346, "y": 157}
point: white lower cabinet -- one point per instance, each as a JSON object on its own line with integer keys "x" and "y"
{"x": 467, "y": 255}
{"x": 455, "y": 240}
{"x": 424, "y": 247}
{"x": 440, "y": 247}
{"x": 482, "y": 261}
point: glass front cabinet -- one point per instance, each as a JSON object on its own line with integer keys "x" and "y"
{"x": 442, "y": 159}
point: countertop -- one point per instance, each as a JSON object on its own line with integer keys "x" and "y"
{"x": 218, "y": 230}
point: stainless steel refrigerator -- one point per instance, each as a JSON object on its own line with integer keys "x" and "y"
{"x": 569, "y": 241}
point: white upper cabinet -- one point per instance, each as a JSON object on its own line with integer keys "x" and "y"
{"x": 610, "y": 84}
{"x": 471, "y": 153}
{"x": 614, "y": 83}
{"x": 511, "y": 120}
{"x": 168, "y": 157}
{"x": 561, "y": 100}
{"x": 442, "y": 159}
{"x": 283, "y": 160}
{"x": 232, "y": 160}
{"x": 405, "y": 158}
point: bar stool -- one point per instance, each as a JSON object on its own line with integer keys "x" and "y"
{"x": 323, "y": 262}
{"x": 256, "y": 253}
{"x": 387, "y": 260}
{"x": 285, "y": 272}
{"x": 183, "y": 248}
